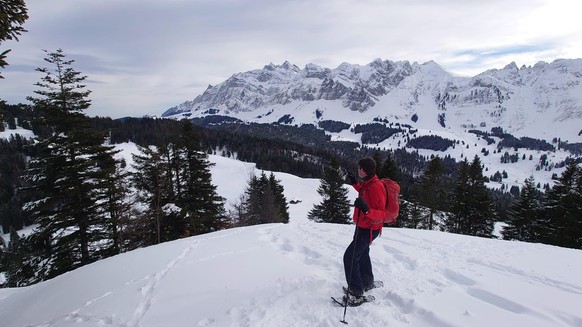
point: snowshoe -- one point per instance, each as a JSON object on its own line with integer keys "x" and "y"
{"x": 353, "y": 300}
{"x": 374, "y": 285}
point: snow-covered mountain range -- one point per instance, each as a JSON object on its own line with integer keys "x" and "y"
{"x": 540, "y": 102}
{"x": 543, "y": 101}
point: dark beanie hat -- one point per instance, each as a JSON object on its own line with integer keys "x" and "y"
{"x": 368, "y": 165}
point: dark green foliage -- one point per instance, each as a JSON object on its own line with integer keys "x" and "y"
{"x": 442, "y": 119}
{"x": 388, "y": 169}
{"x": 335, "y": 207}
{"x": 153, "y": 182}
{"x": 286, "y": 119}
{"x": 12, "y": 166}
{"x": 510, "y": 141}
{"x": 563, "y": 210}
{"x": 296, "y": 150}
{"x": 430, "y": 142}
{"x": 410, "y": 215}
{"x": 195, "y": 193}
{"x": 333, "y": 126}
{"x": 67, "y": 180}
{"x": 482, "y": 217}
{"x": 472, "y": 211}
{"x": 525, "y": 142}
{"x": 15, "y": 261}
{"x": 262, "y": 203}
{"x": 13, "y": 14}
{"x": 174, "y": 182}
{"x": 375, "y": 133}
{"x": 523, "y": 216}
{"x": 459, "y": 220}
{"x": 502, "y": 201}
{"x": 432, "y": 189}
{"x": 280, "y": 200}
{"x": 215, "y": 120}
{"x": 574, "y": 148}
{"x": 486, "y": 136}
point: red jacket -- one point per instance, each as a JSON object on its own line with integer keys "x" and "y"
{"x": 374, "y": 193}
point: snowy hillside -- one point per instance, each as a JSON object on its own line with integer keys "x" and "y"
{"x": 284, "y": 275}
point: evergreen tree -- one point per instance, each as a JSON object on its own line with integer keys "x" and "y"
{"x": 117, "y": 207}
{"x": 280, "y": 199}
{"x": 13, "y": 163}
{"x": 173, "y": 179}
{"x": 195, "y": 192}
{"x": 563, "y": 209}
{"x": 389, "y": 169}
{"x": 471, "y": 211}
{"x": 13, "y": 14}
{"x": 259, "y": 205}
{"x": 409, "y": 215}
{"x": 335, "y": 207}
{"x": 152, "y": 181}
{"x": 523, "y": 216}
{"x": 68, "y": 178}
{"x": 432, "y": 192}
{"x": 458, "y": 221}
{"x": 377, "y": 156}
{"x": 17, "y": 263}
{"x": 481, "y": 216}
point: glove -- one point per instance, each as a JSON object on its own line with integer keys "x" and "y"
{"x": 362, "y": 205}
{"x": 351, "y": 179}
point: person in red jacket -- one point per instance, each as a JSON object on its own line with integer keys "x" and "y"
{"x": 369, "y": 211}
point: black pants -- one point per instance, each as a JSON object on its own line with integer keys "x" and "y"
{"x": 361, "y": 270}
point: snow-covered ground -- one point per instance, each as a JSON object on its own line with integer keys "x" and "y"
{"x": 284, "y": 275}
{"x": 25, "y": 133}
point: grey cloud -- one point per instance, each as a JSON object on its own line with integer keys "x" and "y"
{"x": 146, "y": 54}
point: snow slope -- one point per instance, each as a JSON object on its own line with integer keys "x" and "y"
{"x": 25, "y": 133}
{"x": 284, "y": 274}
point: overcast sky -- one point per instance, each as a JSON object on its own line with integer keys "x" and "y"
{"x": 145, "y": 56}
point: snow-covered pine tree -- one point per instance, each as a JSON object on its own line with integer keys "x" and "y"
{"x": 152, "y": 180}
{"x": 68, "y": 179}
{"x": 409, "y": 215}
{"x": 335, "y": 207}
{"x": 117, "y": 206}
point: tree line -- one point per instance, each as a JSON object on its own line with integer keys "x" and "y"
{"x": 464, "y": 205}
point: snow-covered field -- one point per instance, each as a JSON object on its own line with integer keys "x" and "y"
{"x": 284, "y": 275}
{"x": 25, "y": 133}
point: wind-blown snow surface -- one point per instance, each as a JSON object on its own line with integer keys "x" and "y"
{"x": 284, "y": 275}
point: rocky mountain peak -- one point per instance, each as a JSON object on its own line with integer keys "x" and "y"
{"x": 518, "y": 100}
